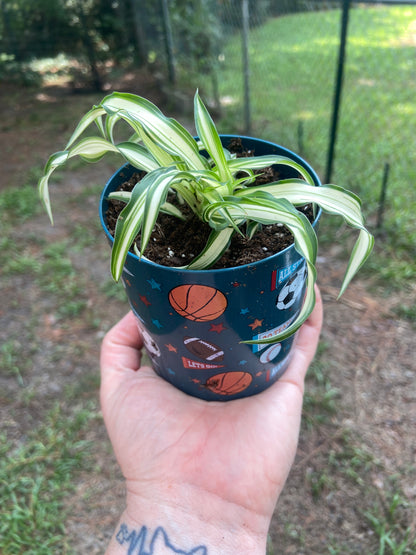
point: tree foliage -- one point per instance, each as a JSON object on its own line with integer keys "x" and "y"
{"x": 120, "y": 31}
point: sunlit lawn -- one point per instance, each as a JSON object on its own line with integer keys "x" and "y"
{"x": 292, "y": 66}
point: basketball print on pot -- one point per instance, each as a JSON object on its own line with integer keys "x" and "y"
{"x": 199, "y": 303}
{"x": 229, "y": 383}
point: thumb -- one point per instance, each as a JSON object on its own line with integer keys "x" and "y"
{"x": 121, "y": 348}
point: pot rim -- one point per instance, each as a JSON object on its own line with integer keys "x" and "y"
{"x": 144, "y": 260}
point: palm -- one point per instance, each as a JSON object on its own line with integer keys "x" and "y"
{"x": 240, "y": 450}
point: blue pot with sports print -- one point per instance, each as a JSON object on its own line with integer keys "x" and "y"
{"x": 194, "y": 323}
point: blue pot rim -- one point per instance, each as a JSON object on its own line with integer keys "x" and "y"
{"x": 143, "y": 260}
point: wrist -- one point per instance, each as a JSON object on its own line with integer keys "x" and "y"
{"x": 190, "y": 522}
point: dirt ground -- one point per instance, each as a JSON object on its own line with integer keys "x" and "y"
{"x": 357, "y": 446}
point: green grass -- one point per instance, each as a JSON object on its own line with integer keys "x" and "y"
{"x": 320, "y": 399}
{"x": 19, "y": 205}
{"x": 58, "y": 276}
{"x": 407, "y": 313}
{"x": 293, "y": 63}
{"x": 40, "y": 458}
{"x": 389, "y": 520}
{"x": 351, "y": 458}
{"x": 51, "y": 268}
{"x": 10, "y": 359}
{"x": 114, "y": 290}
{"x": 343, "y": 461}
{"x": 35, "y": 477}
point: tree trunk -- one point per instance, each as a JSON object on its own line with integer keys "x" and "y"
{"x": 167, "y": 31}
{"x": 11, "y": 45}
{"x": 90, "y": 51}
{"x": 141, "y": 48}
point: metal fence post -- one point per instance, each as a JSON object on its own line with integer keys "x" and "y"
{"x": 246, "y": 64}
{"x": 338, "y": 89}
{"x": 167, "y": 31}
{"x": 382, "y": 201}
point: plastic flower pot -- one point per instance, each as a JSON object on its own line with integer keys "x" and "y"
{"x": 193, "y": 322}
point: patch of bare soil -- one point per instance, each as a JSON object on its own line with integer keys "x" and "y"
{"x": 349, "y": 460}
{"x": 365, "y": 451}
{"x": 37, "y": 122}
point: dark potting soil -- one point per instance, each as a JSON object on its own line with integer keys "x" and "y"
{"x": 175, "y": 242}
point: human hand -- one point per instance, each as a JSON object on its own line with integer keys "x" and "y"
{"x": 205, "y": 472}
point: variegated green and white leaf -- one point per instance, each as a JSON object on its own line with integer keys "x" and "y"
{"x": 186, "y": 192}
{"x": 360, "y": 253}
{"x": 90, "y": 117}
{"x": 267, "y": 210}
{"x": 208, "y": 134}
{"x": 217, "y": 244}
{"x": 163, "y": 158}
{"x": 56, "y": 160}
{"x": 138, "y": 156}
{"x": 305, "y": 243}
{"x": 100, "y": 126}
{"x": 331, "y": 198}
{"x": 166, "y": 132}
{"x": 127, "y": 227}
{"x": 217, "y": 214}
{"x": 122, "y": 196}
{"x": 206, "y": 180}
{"x": 92, "y": 149}
{"x": 252, "y": 228}
{"x": 159, "y": 183}
{"x": 261, "y": 162}
{"x": 110, "y": 122}
{"x": 168, "y": 208}
{"x": 334, "y": 200}
{"x": 160, "y": 155}
{"x": 140, "y": 214}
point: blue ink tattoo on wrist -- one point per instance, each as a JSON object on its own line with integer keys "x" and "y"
{"x": 137, "y": 542}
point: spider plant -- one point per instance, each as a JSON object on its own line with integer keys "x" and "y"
{"x": 216, "y": 185}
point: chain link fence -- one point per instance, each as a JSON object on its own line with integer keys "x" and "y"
{"x": 277, "y": 75}
{"x": 268, "y": 68}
